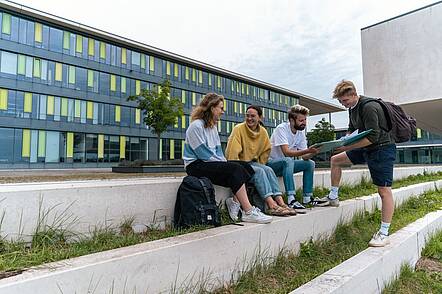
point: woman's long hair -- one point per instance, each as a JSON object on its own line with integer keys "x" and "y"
{"x": 204, "y": 109}
{"x": 259, "y": 111}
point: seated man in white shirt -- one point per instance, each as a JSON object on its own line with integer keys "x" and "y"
{"x": 288, "y": 141}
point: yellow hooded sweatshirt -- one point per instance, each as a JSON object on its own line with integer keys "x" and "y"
{"x": 247, "y": 145}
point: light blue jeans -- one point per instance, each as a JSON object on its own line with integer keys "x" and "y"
{"x": 265, "y": 180}
{"x": 288, "y": 166}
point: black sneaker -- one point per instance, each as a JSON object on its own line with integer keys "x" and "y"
{"x": 296, "y": 205}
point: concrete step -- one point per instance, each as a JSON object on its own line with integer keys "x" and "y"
{"x": 372, "y": 269}
{"x": 80, "y": 206}
{"x": 212, "y": 256}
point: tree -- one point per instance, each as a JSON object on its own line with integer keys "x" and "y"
{"x": 160, "y": 110}
{"x": 323, "y": 131}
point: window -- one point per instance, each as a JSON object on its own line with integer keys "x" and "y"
{"x": 71, "y": 74}
{"x": 123, "y": 85}
{"x": 7, "y": 143}
{"x": 91, "y": 148}
{"x": 28, "y": 103}
{"x": 151, "y": 63}
{"x": 26, "y": 143}
{"x": 135, "y": 58}
{"x": 137, "y": 116}
{"x": 79, "y": 44}
{"x": 6, "y": 24}
{"x": 113, "y": 83}
{"x": 91, "y": 51}
{"x": 8, "y": 63}
{"x": 3, "y": 99}
{"x": 58, "y": 71}
{"x": 37, "y": 68}
{"x": 102, "y": 50}
{"x": 122, "y": 147}
{"x": 38, "y": 33}
{"x": 52, "y": 146}
{"x": 117, "y": 113}
{"x": 66, "y": 39}
{"x": 124, "y": 56}
{"x": 55, "y": 40}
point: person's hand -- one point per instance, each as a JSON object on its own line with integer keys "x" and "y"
{"x": 340, "y": 149}
{"x": 313, "y": 150}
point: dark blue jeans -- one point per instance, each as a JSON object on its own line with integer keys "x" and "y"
{"x": 380, "y": 161}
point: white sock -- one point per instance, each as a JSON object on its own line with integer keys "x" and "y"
{"x": 290, "y": 198}
{"x": 307, "y": 197}
{"x": 384, "y": 228}
{"x": 333, "y": 193}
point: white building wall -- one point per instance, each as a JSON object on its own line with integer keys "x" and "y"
{"x": 402, "y": 57}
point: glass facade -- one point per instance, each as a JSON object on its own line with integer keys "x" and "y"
{"x": 63, "y": 96}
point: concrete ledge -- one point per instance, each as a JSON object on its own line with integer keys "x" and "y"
{"x": 371, "y": 270}
{"x": 214, "y": 256}
{"x": 80, "y": 206}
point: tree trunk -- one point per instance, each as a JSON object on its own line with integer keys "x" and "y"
{"x": 158, "y": 146}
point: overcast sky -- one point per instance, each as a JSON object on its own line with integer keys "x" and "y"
{"x": 306, "y": 46}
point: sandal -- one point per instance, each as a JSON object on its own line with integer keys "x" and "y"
{"x": 278, "y": 211}
{"x": 291, "y": 211}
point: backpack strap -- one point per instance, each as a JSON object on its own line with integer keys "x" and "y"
{"x": 384, "y": 108}
{"x": 206, "y": 190}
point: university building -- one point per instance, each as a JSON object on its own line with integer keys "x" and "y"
{"x": 64, "y": 89}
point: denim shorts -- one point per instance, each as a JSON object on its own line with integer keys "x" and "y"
{"x": 380, "y": 161}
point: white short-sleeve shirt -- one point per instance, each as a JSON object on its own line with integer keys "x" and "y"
{"x": 283, "y": 135}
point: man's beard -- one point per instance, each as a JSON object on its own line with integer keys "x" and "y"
{"x": 299, "y": 127}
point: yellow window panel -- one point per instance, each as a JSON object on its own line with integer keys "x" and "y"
{"x": 64, "y": 107}
{"x": 90, "y": 110}
{"x": 175, "y": 70}
{"x": 38, "y": 33}
{"x": 247, "y": 90}
{"x": 79, "y": 44}
{"x": 50, "y": 105}
{"x": 225, "y": 104}
{"x": 3, "y": 99}
{"x": 219, "y": 126}
{"x": 70, "y": 145}
{"x": 219, "y": 82}
{"x": 113, "y": 83}
{"x": 240, "y": 108}
{"x": 193, "y": 98}
{"x": 100, "y": 146}
{"x": 103, "y": 50}
{"x": 237, "y": 87}
{"x": 210, "y": 80}
{"x": 91, "y": 47}
{"x": 168, "y": 68}
{"x": 143, "y": 61}
{"x": 41, "y": 144}
{"x": 90, "y": 78}
{"x": 183, "y": 122}
{"x": 186, "y": 73}
{"x": 182, "y": 147}
{"x": 58, "y": 71}
{"x": 28, "y": 103}
{"x": 161, "y": 149}
{"x": 418, "y": 133}
{"x": 21, "y": 68}
{"x": 137, "y": 87}
{"x": 242, "y": 88}
{"x": 235, "y": 107}
{"x": 137, "y": 116}
{"x": 122, "y": 147}
{"x": 200, "y": 76}
{"x": 254, "y": 92}
{"x": 26, "y": 143}
{"x": 172, "y": 148}
{"x": 77, "y": 112}
{"x": 228, "y": 127}
{"x": 6, "y": 24}
{"x": 152, "y": 63}
{"x": 183, "y": 96}
{"x": 66, "y": 39}
{"x": 123, "y": 55}
{"x": 117, "y": 113}
{"x": 123, "y": 85}
{"x": 193, "y": 75}
{"x": 71, "y": 78}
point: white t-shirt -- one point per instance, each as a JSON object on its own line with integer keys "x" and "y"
{"x": 282, "y": 135}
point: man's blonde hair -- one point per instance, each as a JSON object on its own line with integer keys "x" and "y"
{"x": 344, "y": 88}
{"x": 297, "y": 109}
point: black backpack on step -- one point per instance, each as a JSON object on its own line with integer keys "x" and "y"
{"x": 196, "y": 204}
{"x": 401, "y": 125}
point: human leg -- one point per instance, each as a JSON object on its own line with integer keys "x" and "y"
{"x": 284, "y": 167}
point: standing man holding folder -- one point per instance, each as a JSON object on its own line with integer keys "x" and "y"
{"x": 377, "y": 150}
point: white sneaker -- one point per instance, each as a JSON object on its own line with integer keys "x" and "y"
{"x": 256, "y": 216}
{"x": 233, "y": 207}
{"x": 379, "y": 240}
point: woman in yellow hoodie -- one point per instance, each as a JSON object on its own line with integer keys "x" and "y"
{"x": 250, "y": 142}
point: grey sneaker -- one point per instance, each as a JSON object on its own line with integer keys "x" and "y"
{"x": 256, "y": 216}
{"x": 379, "y": 240}
{"x": 233, "y": 207}
{"x": 324, "y": 201}
{"x": 333, "y": 202}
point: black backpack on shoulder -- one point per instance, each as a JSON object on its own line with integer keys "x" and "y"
{"x": 401, "y": 125}
{"x": 196, "y": 204}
